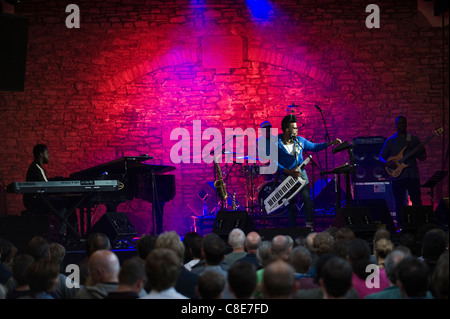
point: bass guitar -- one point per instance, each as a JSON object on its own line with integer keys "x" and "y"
{"x": 400, "y": 159}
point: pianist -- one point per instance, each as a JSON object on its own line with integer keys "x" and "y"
{"x": 34, "y": 203}
{"x": 36, "y": 173}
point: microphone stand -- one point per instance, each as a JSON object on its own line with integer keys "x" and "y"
{"x": 327, "y": 138}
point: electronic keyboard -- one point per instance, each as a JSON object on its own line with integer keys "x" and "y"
{"x": 286, "y": 190}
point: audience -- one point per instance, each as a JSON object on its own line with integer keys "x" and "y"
{"x": 57, "y": 253}
{"x": 162, "y": 267}
{"x": 439, "y": 279}
{"x": 390, "y": 264}
{"x": 42, "y": 277}
{"x": 318, "y": 293}
{"x": 210, "y": 285}
{"x": 94, "y": 242}
{"x": 336, "y": 278}
{"x": 39, "y": 248}
{"x": 242, "y": 279}
{"x": 359, "y": 258}
{"x": 382, "y": 248}
{"x": 236, "y": 240}
{"x": 252, "y": 242}
{"x": 104, "y": 267}
{"x": 132, "y": 279}
{"x": 7, "y": 254}
{"x": 20, "y": 267}
{"x": 144, "y": 245}
{"x": 412, "y": 278}
{"x": 332, "y": 264}
{"x": 213, "y": 254}
{"x": 186, "y": 280}
{"x": 433, "y": 246}
{"x": 301, "y": 260}
{"x": 188, "y": 240}
{"x": 279, "y": 280}
{"x": 195, "y": 248}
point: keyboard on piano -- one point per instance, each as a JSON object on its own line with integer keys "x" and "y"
{"x": 68, "y": 186}
{"x": 285, "y": 191}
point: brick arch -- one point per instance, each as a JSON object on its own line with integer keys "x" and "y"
{"x": 190, "y": 56}
{"x": 291, "y": 63}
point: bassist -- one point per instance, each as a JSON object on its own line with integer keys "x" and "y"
{"x": 408, "y": 179}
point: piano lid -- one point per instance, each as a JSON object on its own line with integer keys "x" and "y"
{"x": 124, "y": 165}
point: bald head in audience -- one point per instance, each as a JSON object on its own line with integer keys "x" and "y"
{"x": 104, "y": 266}
{"x": 281, "y": 247}
{"x": 279, "y": 280}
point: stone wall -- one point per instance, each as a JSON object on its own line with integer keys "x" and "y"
{"x": 136, "y": 70}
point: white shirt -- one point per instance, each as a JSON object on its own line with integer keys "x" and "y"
{"x": 170, "y": 293}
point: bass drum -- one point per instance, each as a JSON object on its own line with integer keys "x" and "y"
{"x": 264, "y": 190}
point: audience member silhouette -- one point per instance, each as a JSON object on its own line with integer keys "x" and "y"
{"x": 236, "y": 240}
{"x": 382, "y": 248}
{"x": 359, "y": 257}
{"x": 390, "y": 264}
{"x": 195, "y": 248}
{"x": 242, "y": 279}
{"x": 252, "y": 242}
{"x": 95, "y": 241}
{"x": 186, "y": 280}
{"x": 412, "y": 278}
{"x": 336, "y": 278}
{"x": 439, "y": 278}
{"x": 58, "y": 253}
{"x": 162, "y": 267}
{"x": 433, "y": 246}
{"x": 210, "y": 285}
{"x": 279, "y": 280}
{"x": 317, "y": 293}
{"x": 39, "y": 248}
{"x": 20, "y": 267}
{"x": 104, "y": 267}
{"x": 43, "y": 277}
{"x": 132, "y": 279}
{"x": 188, "y": 239}
{"x": 301, "y": 260}
{"x": 213, "y": 253}
{"x": 145, "y": 244}
{"x": 7, "y": 254}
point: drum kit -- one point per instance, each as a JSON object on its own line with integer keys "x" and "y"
{"x": 258, "y": 186}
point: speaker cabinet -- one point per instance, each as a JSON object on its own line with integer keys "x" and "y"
{"x": 20, "y": 229}
{"x": 13, "y": 43}
{"x": 368, "y": 166}
{"x": 376, "y": 190}
{"x": 358, "y": 219}
{"x": 294, "y": 232}
{"x": 413, "y": 217}
{"x": 116, "y": 226}
{"x": 379, "y": 211}
{"x": 226, "y": 221}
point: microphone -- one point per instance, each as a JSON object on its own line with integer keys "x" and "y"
{"x": 317, "y": 107}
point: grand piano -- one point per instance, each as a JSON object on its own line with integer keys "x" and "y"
{"x": 137, "y": 180}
